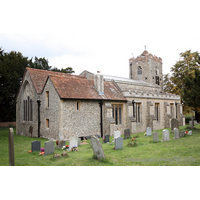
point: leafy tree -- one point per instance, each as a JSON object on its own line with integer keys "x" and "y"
{"x": 40, "y": 63}
{"x": 182, "y": 70}
{"x": 12, "y": 67}
{"x": 68, "y": 70}
{"x": 191, "y": 93}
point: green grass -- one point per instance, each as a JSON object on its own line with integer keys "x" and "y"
{"x": 180, "y": 152}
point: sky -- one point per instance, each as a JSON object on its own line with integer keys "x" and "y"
{"x": 100, "y": 35}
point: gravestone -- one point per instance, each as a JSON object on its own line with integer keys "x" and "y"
{"x": 79, "y": 141}
{"x": 127, "y": 133}
{"x": 61, "y": 144}
{"x": 107, "y": 138}
{"x": 181, "y": 134}
{"x": 49, "y": 147}
{"x": 73, "y": 143}
{"x": 117, "y": 134}
{"x": 35, "y": 146}
{"x": 118, "y": 143}
{"x": 11, "y": 147}
{"x": 174, "y": 124}
{"x": 190, "y": 133}
{"x": 97, "y": 147}
{"x": 155, "y": 136}
{"x": 176, "y": 133}
{"x": 165, "y": 135}
{"x": 148, "y": 131}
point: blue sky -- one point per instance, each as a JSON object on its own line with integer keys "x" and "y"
{"x": 100, "y": 35}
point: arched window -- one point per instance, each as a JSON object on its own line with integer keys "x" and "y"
{"x": 27, "y": 103}
{"x": 139, "y": 70}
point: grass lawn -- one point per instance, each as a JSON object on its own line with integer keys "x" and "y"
{"x": 180, "y": 152}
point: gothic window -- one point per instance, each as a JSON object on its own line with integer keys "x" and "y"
{"x": 138, "y": 112}
{"x": 157, "y": 111}
{"x": 139, "y": 72}
{"x": 27, "y": 103}
{"x": 117, "y": 114}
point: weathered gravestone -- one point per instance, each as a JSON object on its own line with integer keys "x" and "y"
{"x": 35, "y": 146}
{"x": 107, "y": 138}
{"x": 174, "y": 124}
{"x": 61, "y": 144}
{"x": 165, "y": 135}
{"x": 49, "y": 147}
{"x": 97, "y": 147}
{"x": 119, "y": 143}
{"x": 73, "y": 143}
{"x": 181, "y": 134}
{"x": 155, "y": 136}
{"x": 190, "y": 133}
{"x": 11, "y": 147}
{"x": 127, "y": 133}
{"x": 79, "y": 141}
{"x": 148, "y": 131}
{"x": 117, "y": 134}
{"x": 176, "y": 133}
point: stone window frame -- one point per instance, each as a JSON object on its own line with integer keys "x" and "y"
{"x": 47, "y": 99}
{"x": 157, "y": 112}
{"x": 78, "y": 105}
{"x": 172, "y": 113}
{"x": 139, "y": 70}
{"x": 47, "y": 123}
{"x": 117, "y": 111}
{"x": 27, "y": 104}
{"x": 138, "y": 112}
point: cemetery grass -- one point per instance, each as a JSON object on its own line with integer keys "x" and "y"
{"x": 176, "y": 152}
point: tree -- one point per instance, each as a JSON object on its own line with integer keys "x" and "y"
{"x": 12, "y": 67}
{"x": 182, "y": 70}
{"x": 68, "y": 70}
{"x": 191, "y": 93}
{"x": 40, "y": 63}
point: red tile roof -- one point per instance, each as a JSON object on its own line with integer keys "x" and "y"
{"x": 73, "y": 86}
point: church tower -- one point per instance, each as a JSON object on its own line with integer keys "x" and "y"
{"x": 148, "y": 68}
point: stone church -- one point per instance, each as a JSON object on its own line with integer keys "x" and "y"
{"x": 59, "y": 106}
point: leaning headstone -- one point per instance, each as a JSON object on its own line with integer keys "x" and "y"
{"x": 49, "y": 147}
{"x": 127, "y": 133}
{"x": 73, "y": 143}
{"x": 176, "y": 133}
{"x": 11, "y": 147}
{"x": 107, "y": 138}
{"x": 119, "y": 143}
{"x": 148, "y": 131}
{"x": 174, "y": 124}
{"x": 117, "y": 134}
{"x": 97, "y": 147}
{"x": 155, "y": 136}
{"x": 190, "y": 133}
{"x": 165, "y": 135}
{"x": 79, "y": 141}
{"x": 181, "y": 134}
{"x": 36, "y": 146}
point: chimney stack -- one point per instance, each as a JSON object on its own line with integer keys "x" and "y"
{"x": 98, "y": 83}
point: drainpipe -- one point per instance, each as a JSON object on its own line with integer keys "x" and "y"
{"x": 133, "y": 102}
{"x": 101, "y": 116}
{"x": 176, "y": 108}
{"x": 39, "y": 122}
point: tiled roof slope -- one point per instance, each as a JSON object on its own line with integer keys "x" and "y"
{"x": 79, "y": 88}
{"x": 73, "y": 86}
{"x": 39, "y": 77}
